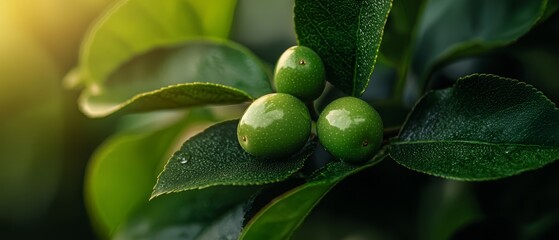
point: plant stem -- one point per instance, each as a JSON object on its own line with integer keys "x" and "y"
{"x": 407, "y": 60}
{"x": 391, "y": 132}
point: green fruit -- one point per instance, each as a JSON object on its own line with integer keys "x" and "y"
{"x": 350, "y": 129}
{"x": 300, "y": 72}
{"x": 274, "y": 126}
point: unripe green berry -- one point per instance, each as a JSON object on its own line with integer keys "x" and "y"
{"x": 300, "y": 72}
{"x": 274, "y": 126}
{"x": 350, "y": 129}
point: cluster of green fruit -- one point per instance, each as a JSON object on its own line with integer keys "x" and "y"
{"x": 279, "y": 124}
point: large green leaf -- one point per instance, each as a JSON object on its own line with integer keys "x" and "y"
{"x": 451, "y": 29}
{"x": 213, "y": 213}
{"x": 214, "y": 157}
{"x": 196, "y": 73}
{"x": 281, "y": 217}
{"x": 132, "y": 27}
{"x": 485, "y": 127}
{"x": 121, "y": 173}
{"x": 346, "y": 34}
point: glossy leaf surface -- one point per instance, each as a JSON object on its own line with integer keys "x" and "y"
{"x": 346, "y": 34}
{"x": 214, "y": 157}
{"x": 196, "y": 73}
{"x": 485, "y": 127}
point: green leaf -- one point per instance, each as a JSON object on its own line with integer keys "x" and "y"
{"x": 197, "y": 73}
{"x": 130, "y": 28}
{"x": 281, "y": 217}
{"x": 213, "y": 213}
{"x": 452, "y": 29}
{"x": 214, "y": 157}
{"x": 346, "y": 34}
{"x": 121, "y": 173}
{"x": 485, "y": 127}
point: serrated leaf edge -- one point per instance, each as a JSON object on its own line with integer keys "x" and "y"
{"x": 464, "y": 78}
{"x": 310, "y": 144}
{"x": 381, "y": 35}
{"x": 395, "y": 141}
{"x": 518, "y": 82}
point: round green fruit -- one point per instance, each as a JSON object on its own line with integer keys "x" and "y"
{"x": 350, "y": 129}
{"x": 274, "y": 126}
{"x": 300, "y": 72}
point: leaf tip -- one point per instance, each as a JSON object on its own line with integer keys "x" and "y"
{"x": 156, "y": 193}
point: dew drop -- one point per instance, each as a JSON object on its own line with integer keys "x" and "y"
{"x": 302, "y": 62}
{"x": 509, "y": 150}
{"x": 183, "y": 158}
{"x": 244, "y": 138}
{"x": 365, "y": 143}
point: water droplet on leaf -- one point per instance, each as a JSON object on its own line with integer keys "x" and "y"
{"x": 183, "y": 158}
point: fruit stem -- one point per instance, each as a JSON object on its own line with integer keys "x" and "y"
{"x": 391, "y": 132}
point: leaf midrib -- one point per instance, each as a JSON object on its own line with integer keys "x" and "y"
{"x": 472, "y": 142}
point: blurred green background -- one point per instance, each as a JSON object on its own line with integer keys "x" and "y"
{"x": 45, "y": 141}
